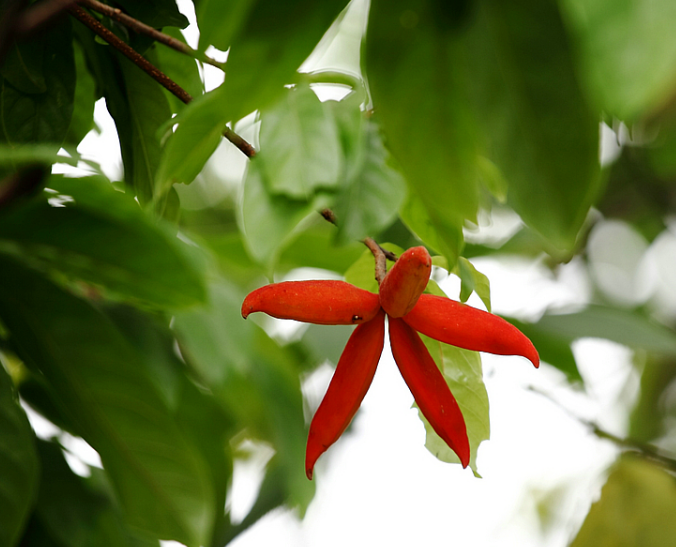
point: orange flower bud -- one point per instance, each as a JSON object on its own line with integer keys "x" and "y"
{"x": 405, "y": 282}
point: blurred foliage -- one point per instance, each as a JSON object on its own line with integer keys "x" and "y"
{"x": 120, "y": 301}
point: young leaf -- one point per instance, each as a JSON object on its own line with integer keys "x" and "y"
{"x": 159, "y": 476}
{"x": 19, "y": 467}
{"x": 472, "y": 280}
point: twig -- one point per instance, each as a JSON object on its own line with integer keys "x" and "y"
{"x": 646, "y": 450}
{"x": 329, "y": 216}
{"x": 137, "y": 26}
{"x": 150, "y": 69}
{"x": 379, "y": 255}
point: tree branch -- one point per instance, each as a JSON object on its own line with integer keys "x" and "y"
{"x": 150, "y": 69}
{"x": 141, "y": 28}
{"x": 379, "y": 255}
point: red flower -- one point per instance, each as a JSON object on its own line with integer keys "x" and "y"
{"x": 408, "y": 311}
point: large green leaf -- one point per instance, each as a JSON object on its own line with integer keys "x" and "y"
{"x": 160, "y": 477}
{"x": 636, "y": 507}
{"x": 39, "y": 110}
{"x": 269, "y": 221}
{"x": 300, "y": 146}
{"x": 627, "y": 52}
{"x": 464, "y": 376}
{"x": 417, "y": 75}
{"x": 73, "y": 511}
{"x": 256, "y": 380}
{"x": 104, "y": 237}
{"x": 268, "y": 42}
{"x": 371, "y": 191}
{"x": 19, "y": 468}
{"x": 83, "y": 103}
{"x": 538, "y": 129}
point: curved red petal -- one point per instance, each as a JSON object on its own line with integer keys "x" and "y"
{"x": 429, "y": 388}
{"x": 405, "y": 282}
{"x": 349, "y": 385}
{"x": 466, "y": 327}
{"x": 323, "y": 302}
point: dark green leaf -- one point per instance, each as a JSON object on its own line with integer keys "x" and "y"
{"x": 636, "y": 508}
{"x": 160, "y": 478}
{"x": 19, "y": 468}
{"x": 300, "y": 147}
{"x": 83, "y": 104}
{"x": 40, "y": 117}
{"x": 23, "y": 67}
{"x": 538, "y": 129}
{"x": 104, "y": 237}
{"x": 155, "y": 13}
{"x": 418, "y": 79}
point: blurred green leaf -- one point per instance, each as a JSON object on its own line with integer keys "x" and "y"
{"x": 621, "y": 326}
{"x": 636, "y": 508}
{"x": 372, "y": 191}
{"x": 43, "y": 116}
{"x": 650, "y": 418}
{"x": 268, "y": 42}
{"x": 30, "y": 154}
{"x": 23, "y": 66}
{"x": 160, "y": 478}
{"x": 269, "y": 221}
{"x": 472, "y": 280}
{"x": 300, "y": 147}
{"x": 627, "y": 52}
{"x": 197, "y": 136}
{"x": 83, "y": 104}
{"x": 71, "y": 511}
{"x": 538, "y": 129}
{"x": 105, "y": 238}
{"x": 464, "y": 376}
{"x": 156, "y": 13}
{"x": 417, "y": 74}
{"x": 19, "y": 467}
{"x": 362, "y": 273}
{"x": 552, "y": 348}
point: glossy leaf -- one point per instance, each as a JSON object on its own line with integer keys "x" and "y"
{"x": 627, "y": 52}
{"x": 463, "y": 373}
{"x": 546, "y": 142}
{"x": 417, "y": 77}
{"x": 42, "y": 117}
{"x": 635, "y": 508}
{"x": 19, "y": 467}
{"x": 300, "y": 147}
{"x": 140, "y": 260}
{"x": 160, "y": 478}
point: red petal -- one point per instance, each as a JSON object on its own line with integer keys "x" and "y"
{"x": 349, "y": 385}
{"x": 321, "y": 302}
{"x": 466, "y": 327}
{"x": 429, "y": 388}
{"x": 405, "y": 282}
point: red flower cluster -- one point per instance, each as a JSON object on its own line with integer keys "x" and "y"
{"x": 408, "y": 311}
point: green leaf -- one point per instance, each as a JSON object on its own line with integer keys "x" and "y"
{"x": 464, "y": 376}
{"x": 160, "y": 478}
{"x": 104, "y": 237}
{"x": 19, "y": 468}
{"x": 436, "y": 233}
{"x": 628, "y": 51}
{"x": 300, "y": 147}
{"x": 621, "y": 326}
{"x": 362, "y": 273}
{"x": 268, "y": 42}
{"x": 472, "y": 280}
{"x": 372, "y": 191}
{"x": 40, "y": 117}
{"x": 71, "y": 510}
{"x": 538, "y": 128}
{"x": 30, "y": 154}
{"x": 269, "y": 221}
{"x": 220, "y": 22}
{"x": 83, "y": 104}
{"x": 155, "y": 13}
{"x": 197, "y": 136}
{"x": 636, "y": 508}
{"x": 417, "y": 75}
{"x": 23, "y": 66}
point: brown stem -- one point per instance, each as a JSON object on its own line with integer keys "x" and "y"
{"x": 137, "y": 26}
{"x": 150, "y": 69}
{"x": 379, "y": 255}
{"x": 329, "y": 216}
